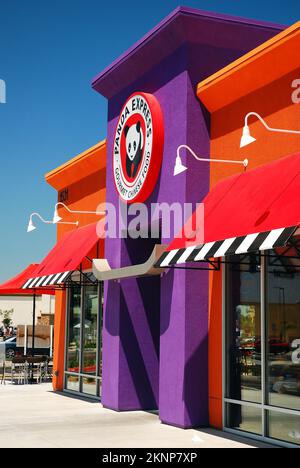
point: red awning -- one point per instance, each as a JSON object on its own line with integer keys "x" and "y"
{"x": 253, "y": 211}
{"x": 64, "y": 258}
{"x": 15, "y": 285}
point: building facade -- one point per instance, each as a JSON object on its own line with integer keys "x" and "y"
{"x": 204, "y": 342}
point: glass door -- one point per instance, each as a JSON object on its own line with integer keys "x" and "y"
{"x": 244, "y": 344}
{"x": 83, "y": 340}
{"x": 73, "y": 339}
{"x": 90, "y": 339}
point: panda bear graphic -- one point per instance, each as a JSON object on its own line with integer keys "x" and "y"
{"x": 134, "y": 148}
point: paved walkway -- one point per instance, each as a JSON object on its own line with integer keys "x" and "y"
{"x": 34, "y": 416}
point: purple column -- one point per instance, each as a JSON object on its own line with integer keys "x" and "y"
{"x": 135, "y": 374}
{"x": 133, "y": 308}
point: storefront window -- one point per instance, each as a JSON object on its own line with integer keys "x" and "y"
{"x": 83, "y": 347}
{"x": 72, "y": 383}
{"x": 244, "y": 332}
{"x": 262, "y": 345}
{"x": 89, "y": 386}
{"x": 90, "y": 330}
{"x": 283, "y": 319}
{"x": 284, "y": 427}
{"x": 73, "y": 348}
{"x": 245, "y": 418}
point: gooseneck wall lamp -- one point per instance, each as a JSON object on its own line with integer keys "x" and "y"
{"x": 179, "y": 167}
{"x": 247, "y": 138}
{"x": 57, "y": 219}
{"x": 31, "y": 227}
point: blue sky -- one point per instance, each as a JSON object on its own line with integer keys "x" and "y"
{"x": 49, "y": 52}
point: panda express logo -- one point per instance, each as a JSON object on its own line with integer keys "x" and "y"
{"x": 138, "y": 148}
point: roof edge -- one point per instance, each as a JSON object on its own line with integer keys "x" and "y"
{"x": 184, "y": 11}
{"x": 248, "y": 58}
{"x": 74, "y": 161}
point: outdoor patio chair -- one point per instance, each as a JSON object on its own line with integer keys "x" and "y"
{"x": 40, "y": 363}
{"x": 19, "y": 371}
{"x": 50, "y": 370}
{"x": 6, "y": 372}
{"x": 35, "y": 367}
{"x": 2, "y": 373}
{"x": 47, "y": 369}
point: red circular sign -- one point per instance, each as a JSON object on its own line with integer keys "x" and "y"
{"x": 138, "y": 148}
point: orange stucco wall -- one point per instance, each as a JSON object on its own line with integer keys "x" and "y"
{"x": 81, "y": 182}
{"x": 274, "y": 104}
{"x": 59, "y": 339}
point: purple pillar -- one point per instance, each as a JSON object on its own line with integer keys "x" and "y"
{"x": 155, "y": 337}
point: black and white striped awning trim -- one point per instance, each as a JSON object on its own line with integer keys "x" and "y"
{"x": 234, "y": 246}
{"x": 49, "y": 280}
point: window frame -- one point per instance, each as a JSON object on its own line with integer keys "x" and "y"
{"x": 263, "y": 406}
{"x": 80, "y": 374}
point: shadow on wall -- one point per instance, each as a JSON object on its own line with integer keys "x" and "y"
{"x": 151, "y": 303}
{"x": 182, "y": 60}
{"x": 145, "y": 385}
{"x": 261, "y": 101}
{"x": 161, "y": 75}
{"x": 193, "y": 392}
{"x": 133, "y": 314}
{"x": 168, "y": 294}
{"x": 89, "y": 184}
{"x": 112, "y": 309}
{"x": 139, "y": 250}
{"x": 130, "y": 345}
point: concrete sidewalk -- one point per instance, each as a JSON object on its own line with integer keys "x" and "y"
{"x": 34, "y": 416}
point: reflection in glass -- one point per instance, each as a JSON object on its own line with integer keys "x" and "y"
{"x": 244, "y": 329}
{"x": 244, "y": 343}
{"x": 90, "y": 330}
{"x": 285, "y": 427}
{"x": 89, "y": 386}
{"x": 83, "y": 347}
{"x": 283, "y": 319}
{"x": 244, "y": 418}
{"x": 72, "y": 383}
{"x": 73, "y": 345}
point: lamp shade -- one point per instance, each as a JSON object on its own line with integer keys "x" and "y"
{"x": 246, "y": 139}
{"x": 31, "y": 227}
{"x": 56, "y": 217}
{"x": 179, "y": 167}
